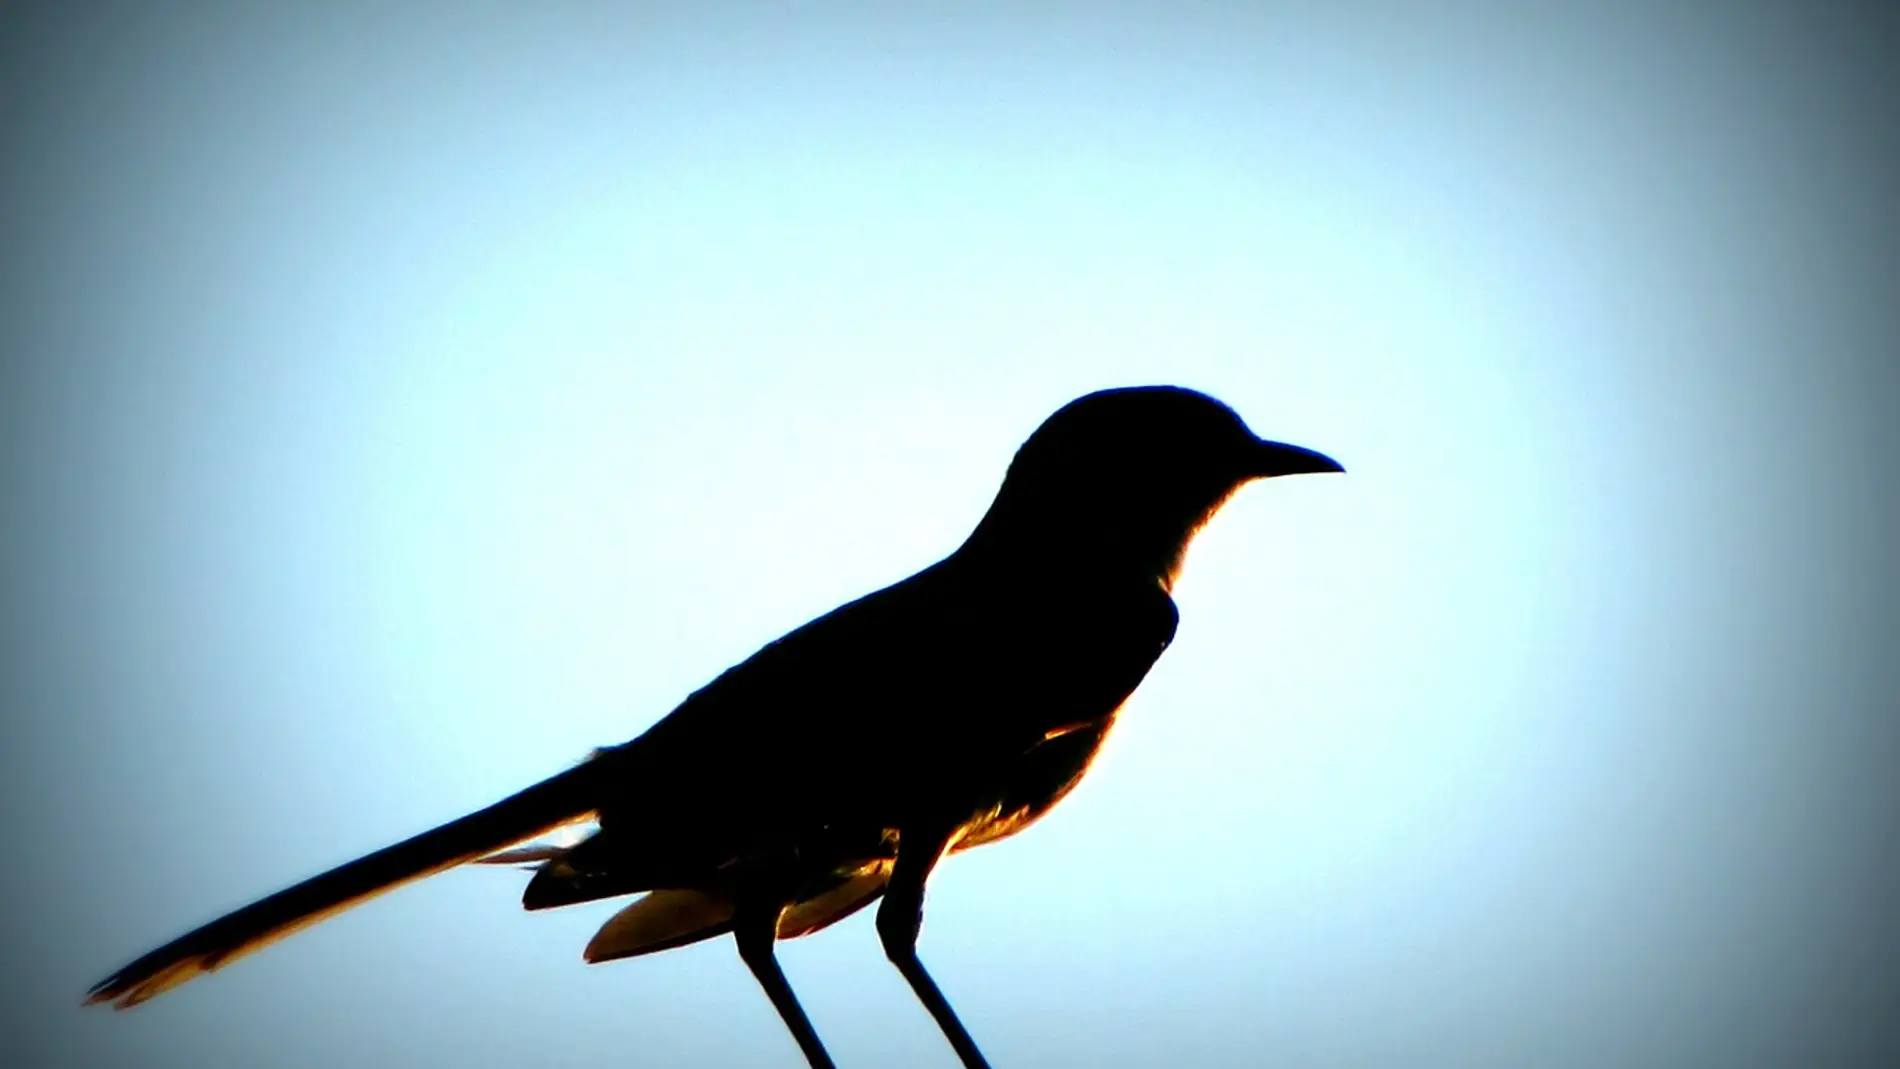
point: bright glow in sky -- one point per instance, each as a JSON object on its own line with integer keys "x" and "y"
{"x": 401, "y": 403}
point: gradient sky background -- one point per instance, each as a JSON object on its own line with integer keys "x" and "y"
{"x": 400, "y": 400}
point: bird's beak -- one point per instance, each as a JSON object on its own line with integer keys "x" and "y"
{"x": 1278, "y": 458}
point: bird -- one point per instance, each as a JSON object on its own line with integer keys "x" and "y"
{"x": 838, "y": 765}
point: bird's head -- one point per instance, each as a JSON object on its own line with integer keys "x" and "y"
{"x": 1124, "y": 478}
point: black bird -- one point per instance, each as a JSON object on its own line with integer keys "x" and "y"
{"x": 840, "y": 763}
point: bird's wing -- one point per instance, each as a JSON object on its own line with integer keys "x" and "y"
{"x": 816, "y": 721}
{"x": 851, "y": 718}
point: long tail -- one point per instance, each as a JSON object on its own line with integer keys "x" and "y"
{"x": 549, "y": 804}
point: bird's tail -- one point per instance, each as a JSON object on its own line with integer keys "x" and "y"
{"x": 563, "y": 799}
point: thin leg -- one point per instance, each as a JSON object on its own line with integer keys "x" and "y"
{"x": 898, "y": 921}
{"x": 755, "y": 930}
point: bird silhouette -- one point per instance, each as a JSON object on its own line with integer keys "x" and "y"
{"x": 840, "y": 763}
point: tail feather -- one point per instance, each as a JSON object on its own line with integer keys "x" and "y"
{"x": 528, "y": 856}
{"x": 661, "y": 920}
{"x": 820, "y": 911}
{"x": 550, "y": 804}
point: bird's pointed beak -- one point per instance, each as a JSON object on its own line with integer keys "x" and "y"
{"x": 1278, "y": 458}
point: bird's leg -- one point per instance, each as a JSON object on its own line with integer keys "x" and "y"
{"x": 898, "y": 921}
{"x": 755, "y": 929}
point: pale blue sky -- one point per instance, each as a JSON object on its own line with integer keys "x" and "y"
{"x": 400, "y": 403}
